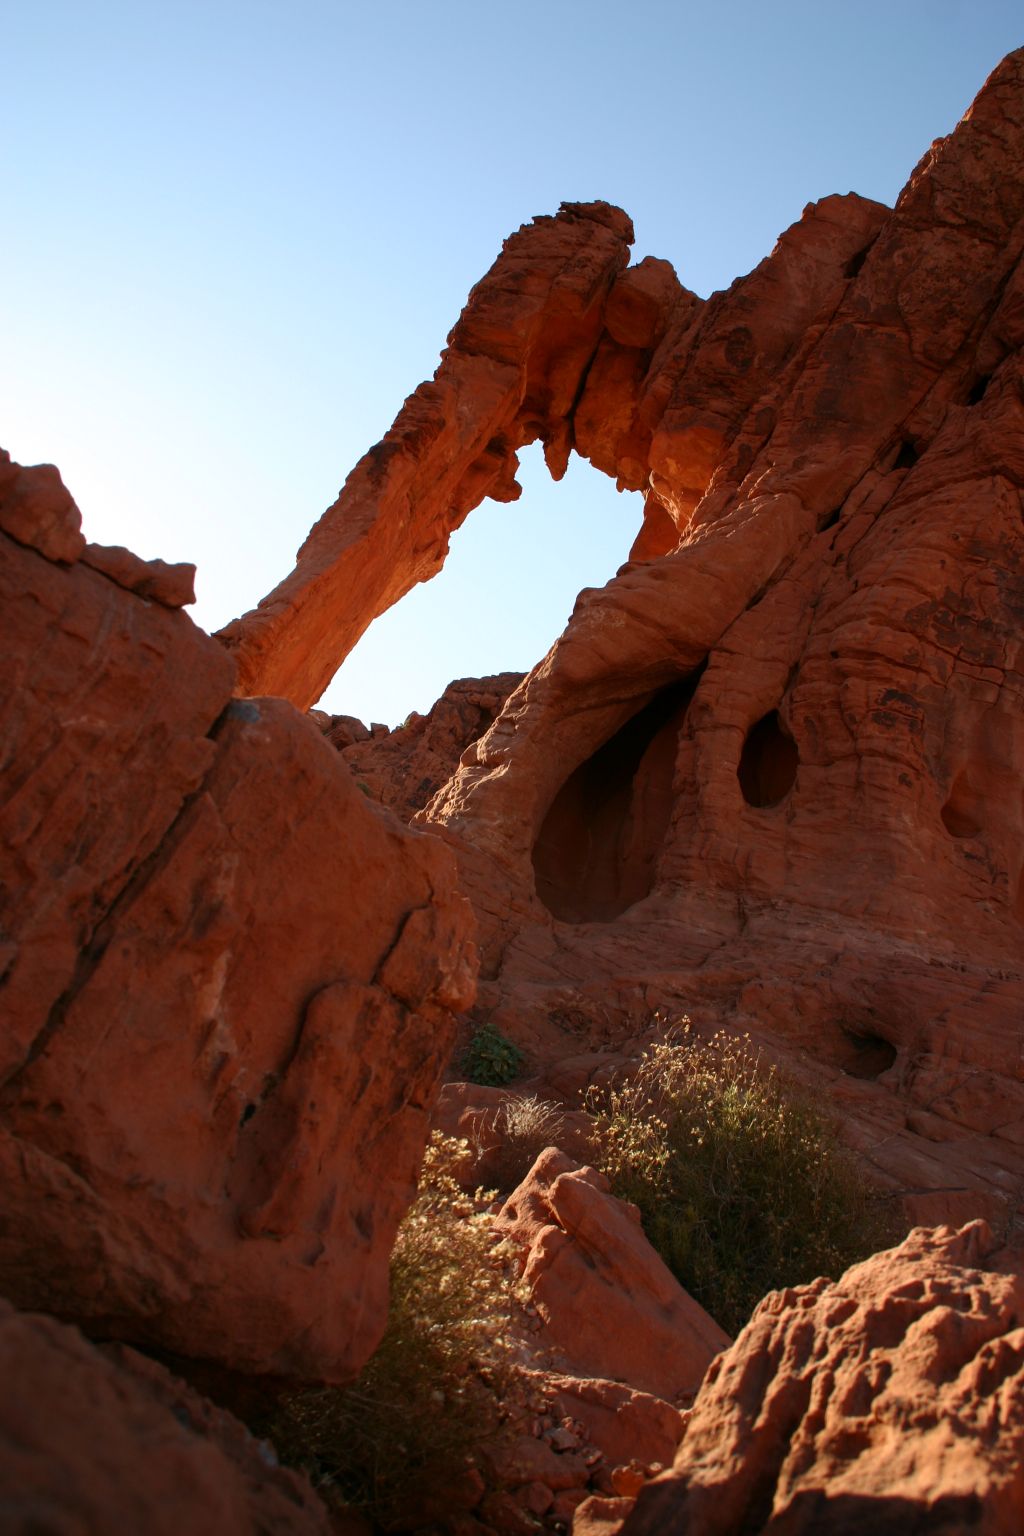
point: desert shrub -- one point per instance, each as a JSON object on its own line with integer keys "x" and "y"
{"x": 526, "y": 1125}
{"x": 403, "y": 1434}
{"x": 741, "y": 1182}
{"x": 490, "y": 1058}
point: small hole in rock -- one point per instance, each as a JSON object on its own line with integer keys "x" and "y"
{"x": 957, "y": 821}
{"x": 978, "y": 388}
{"x": 247, "y": 1114}
{"x": 768, "y": 762}
{"x": 856, "y": 261}
{"x": 908, "y": 455}
{"x": 831, "y": 520}
{"x": 865, "y": 1056}
{"x": 959, "y": 814}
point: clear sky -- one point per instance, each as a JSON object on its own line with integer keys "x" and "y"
{"x": 237, "y": 233}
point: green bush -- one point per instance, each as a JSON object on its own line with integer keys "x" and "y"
{"x": 741, "y": 1183}
{"x": 490, "y": 1058}
{"x": 402, "y": 1436}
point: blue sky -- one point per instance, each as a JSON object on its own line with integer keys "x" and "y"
{"x": 236, "y": 236}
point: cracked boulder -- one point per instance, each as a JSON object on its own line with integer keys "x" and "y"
{"x": 227, "y": 979}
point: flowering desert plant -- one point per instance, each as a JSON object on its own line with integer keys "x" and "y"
{"x": 741, "y": 1182}
{"x": 430, "y": 1397}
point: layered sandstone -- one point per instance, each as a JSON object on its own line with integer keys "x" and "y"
{"x": 771, "y": 775}
{"x": 228, "y": 982}
{"x": 405, "y": 768}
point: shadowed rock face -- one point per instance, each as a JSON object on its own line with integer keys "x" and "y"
{"x": 822, "y": 840}
{"x": 771, "y": 772}
{"x": 106, "y": 1440}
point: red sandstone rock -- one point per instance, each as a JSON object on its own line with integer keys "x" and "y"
{"x": 510, "y": 374}
{"x": 609, "y": 1305}
{"x": 172, "y": 585}
{"x": 770, "y": 772}
{"x": 770, "y": 775}
{"x": 528, "y": 1460}
{"x": 624, "y": 1424}
{"x": 406, "y": 767}
{"x": 37, "y": 510}
{"x": 600, "y": 1516}
{"x": 228, "y": 984}
{"x": 109, "y": 1441}
{"x": 892, "y": 1400}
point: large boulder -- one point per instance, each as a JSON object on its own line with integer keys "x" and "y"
{"x": 228, "y": 984}
{"x": 889, "y": 1401}
{"x": 608, "y": 1304}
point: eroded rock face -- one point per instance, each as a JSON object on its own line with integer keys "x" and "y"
{"x": 228, "y": 984}
{"x": 770, "y": 774}
{"x": 890, "y": 1400}
{"x": 609, "y": 1305}
{"x": 96, "y": 1440}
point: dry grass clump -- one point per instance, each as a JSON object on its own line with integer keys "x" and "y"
{"x": 406, "y": 1431}
{"x": 526, "y": 1125}
{"x": 741, "y": 1182}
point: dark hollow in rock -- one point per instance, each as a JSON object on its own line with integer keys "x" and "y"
{"x": 768, "y": 762}
{"x": 598, "y": 847}
{"x": 865, "y": 1055}
{"x": 978, "y": 388}
{"x": 959, "y": 812}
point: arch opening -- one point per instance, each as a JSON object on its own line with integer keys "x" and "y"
{"x": 768, "y": 762}
{"x": 471, "y": 619}
{"x": 597, "y": 850}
